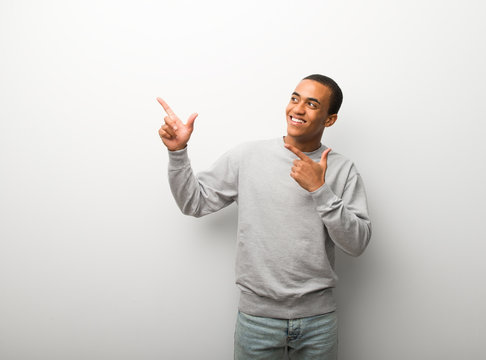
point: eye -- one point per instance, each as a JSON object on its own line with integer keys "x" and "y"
{"x": 312, "y": 105}
{"x": 294, "y": 99}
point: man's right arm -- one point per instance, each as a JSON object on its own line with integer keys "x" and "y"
{"x": 210, "y": 190}
{"x": 206, "y": 192}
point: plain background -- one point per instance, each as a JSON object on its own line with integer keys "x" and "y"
{"x": 97, "y": 262}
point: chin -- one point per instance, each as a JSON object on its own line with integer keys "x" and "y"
{"x": 293, "y": 132}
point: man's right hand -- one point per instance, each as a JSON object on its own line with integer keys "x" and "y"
{"x": 174, "y": 133}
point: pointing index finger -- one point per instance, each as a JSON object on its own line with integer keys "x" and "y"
{"x": 297, "y": 152}
{"x": 167, "y": 108}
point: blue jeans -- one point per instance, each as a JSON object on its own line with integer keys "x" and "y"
{"x": 309, "y": 338}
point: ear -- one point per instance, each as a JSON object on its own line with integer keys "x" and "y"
{"x": 331, "y": 119}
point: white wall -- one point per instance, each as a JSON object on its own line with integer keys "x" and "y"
{"x": 96, "y": 261}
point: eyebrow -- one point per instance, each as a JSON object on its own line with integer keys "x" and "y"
{"x": 310, "y": 99}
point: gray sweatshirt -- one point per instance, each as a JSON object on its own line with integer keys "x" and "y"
{"x": 286, "y": 235}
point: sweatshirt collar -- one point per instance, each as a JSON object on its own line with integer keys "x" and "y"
{"x": 319, "y": 150}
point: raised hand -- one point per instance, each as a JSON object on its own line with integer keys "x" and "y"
{"x": 174, "y": 133}
{"x": 308, "y": 173}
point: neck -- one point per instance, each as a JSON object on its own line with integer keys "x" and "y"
{"x": 307, "y": 146}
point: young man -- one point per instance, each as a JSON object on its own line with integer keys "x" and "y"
{"x": 297, "y": 201}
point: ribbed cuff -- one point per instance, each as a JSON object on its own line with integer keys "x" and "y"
{"x": 324, "y": 196}
{"x": 178, "y": 159}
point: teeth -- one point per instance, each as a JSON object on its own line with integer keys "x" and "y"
{"x": 297, "y": 120}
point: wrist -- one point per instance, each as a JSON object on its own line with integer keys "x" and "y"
{"x": 177, "y": 148}
{"x": 315, "y": 187}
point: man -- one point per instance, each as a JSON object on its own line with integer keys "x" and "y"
{"x": 297, "y": 201}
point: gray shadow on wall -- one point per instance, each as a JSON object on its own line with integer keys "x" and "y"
{"x": 219, "y": 226}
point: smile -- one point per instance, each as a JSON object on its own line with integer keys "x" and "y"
{"x": 297, "y": 121}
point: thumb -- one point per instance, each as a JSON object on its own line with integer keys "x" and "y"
{"x": 323, "y": 161}
{"x": 190, "y": 121}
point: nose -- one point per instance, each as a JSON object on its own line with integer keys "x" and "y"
{"x": 299, "y": 108}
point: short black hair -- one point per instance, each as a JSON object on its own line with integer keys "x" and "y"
{"x": 336, "y": 94}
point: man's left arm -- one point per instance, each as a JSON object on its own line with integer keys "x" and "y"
{"x": 346, "y": 219}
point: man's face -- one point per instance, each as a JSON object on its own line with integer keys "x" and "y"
{"x": 307, "y": 111}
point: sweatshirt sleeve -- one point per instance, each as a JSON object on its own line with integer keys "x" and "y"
{"x": 206, "y": 192}
{"x": 346, "y": 218}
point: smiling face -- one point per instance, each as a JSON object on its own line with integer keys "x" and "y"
{"x": 307, "y": 115}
